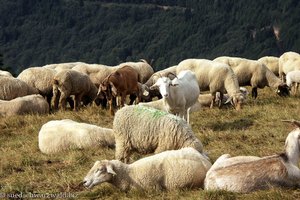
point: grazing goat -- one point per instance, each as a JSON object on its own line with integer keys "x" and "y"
{"x": 248, "y": 173}
{"x": 122, "y": 82}
{"x": 180, "y": 93}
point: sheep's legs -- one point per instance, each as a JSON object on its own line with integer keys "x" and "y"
{"x": 254, "y": 92}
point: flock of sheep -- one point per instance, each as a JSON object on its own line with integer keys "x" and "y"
{"x": 157, "y": 126}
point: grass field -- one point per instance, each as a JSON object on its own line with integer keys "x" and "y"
{"x": 27, "y": 173}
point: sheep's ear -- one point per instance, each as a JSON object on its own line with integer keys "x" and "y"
{"x": 110, "y": 170}
{"x": 113, "y": 89}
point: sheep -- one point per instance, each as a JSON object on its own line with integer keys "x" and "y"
{"x": 289, "y": 61}
{"x": 148, "y": 94}
{"x": 11, "y": 88}
{"x": 71, "y": 82}
{"x": 180, "y": 93}
{"x": 246, "y": 174}
{"x": 293, "y": 80}
{"x": 147, "y": 130}
{"x": 62, "y": 66}
{"x": 170, "y": 170}
{"x": 61, "y": 135}
{"x": 255, "y": 74}
{"x": 40, "y": 78}
{"x": 215, "y": 77}
{"x": 271, "y": 62}
{"x": 30, "y": 104}
{"x": 5, "y": 73}
{"x": 142, "y": 67}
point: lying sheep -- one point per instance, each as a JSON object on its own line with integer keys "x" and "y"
{"x": 5, "y": 73}
{"x": 215, "y": 77}
{"x": 289, "y": 61}
{"x": 71, "y": 82}
{"x": 271, "y": 62}
{"x": 246, "y": 174}
{"x": 169, "y": 170}
{"x": 11, "y": 88}
{"x": 180, "y": 93}
{"x": 40, "y": 78}
{"x": 255, "y": 74}
{"x": 61, "y": 135}
{"x": 147, "y": 130}
{"x": 30, "y": 104}
{"x": 293, "y": 80}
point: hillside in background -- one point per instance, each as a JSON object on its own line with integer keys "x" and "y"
{"x": 39, "y": 32}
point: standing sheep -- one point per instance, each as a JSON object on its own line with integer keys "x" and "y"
{"x": 71, "y": 82}
{"x": 249, "y": 173}
{"x": 289, "y": 61}
{"x": 61, "y": 135}
{"x": 147, "y": 130}
{"x": 40, "y": 78}
{"x": 293, "y": 80}
{"x": 271, "y": 62}
{"x": 215, "y": 77}
{"x": 255, "y": 74}
{"x": 30, "y": 104}
{"x": 169, "y": 170}
{"x": 11, "y": 88}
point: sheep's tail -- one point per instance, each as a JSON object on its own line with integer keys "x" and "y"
{"x": 294, "y": 122}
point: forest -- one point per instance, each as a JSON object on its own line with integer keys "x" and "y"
{"x": 40, "y": 32}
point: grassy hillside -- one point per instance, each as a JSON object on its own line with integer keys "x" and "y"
{"x": 35, "y": 33}
{"x": 256, "y": 130}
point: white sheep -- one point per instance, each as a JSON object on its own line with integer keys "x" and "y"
{"x": 289, "y": 61}
{"x": 170, "y": 170}
{"x": 147, "y": 130}
{"x": 142, "y": 67}
{"x": 71, "y": 82}
{"x": 62, "y": 66}
{"x": 180, "y": 93}
{"x": 246, "y": 174}
{"x": 215, "y": 77}
{"x": 40, "y": 78}
{"x": 11, "y": 88}
{"x": 30, "y": 104}
{"x": 255, "y": 74}
{"x": 61, "y": 135}
{"x": 5, "y": 73}
{"x": 271, "y": 62}
{"x": 293, "y": 80}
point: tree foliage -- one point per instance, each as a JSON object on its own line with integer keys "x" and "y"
{"x": 39, "y": 32}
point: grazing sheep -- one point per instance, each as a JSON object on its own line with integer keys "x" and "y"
{"x": 293, "y": 80}
{"x": 143, "y": 68}
{"x": 61, "y": 135}
{"x": 271, "y": 62}
{"x": 169, "y": 170}
{"x": 180, "y": 93}
{"x": 254, "y": 74}
{"x": 215, "y": 77}
{"x": 30, "y": 104}
{"x": 246, "y": 174}
{"x": 40, "y": 78}
{"x": 11, "y": 88}
{"x": 289, "y": 61}
{"x": 147, "y": 130}
{"x": 5, "y": 73}
{"x": 71, "y": 82}
{"x": 148, "y": 94}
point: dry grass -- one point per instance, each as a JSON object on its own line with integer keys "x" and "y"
{"x": 256, "y": 130}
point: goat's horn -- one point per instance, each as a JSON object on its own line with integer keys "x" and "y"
{"x": 171, "y": 74}
{"x": 295, "y": 122}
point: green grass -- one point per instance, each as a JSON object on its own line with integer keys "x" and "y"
{"x": 255, "y": 130}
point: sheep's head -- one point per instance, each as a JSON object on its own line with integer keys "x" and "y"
{"x": 101, "y": 172}
{"x": 164, "y": 84}
{"x": 283, "y": 90}
{"x": 236, "y": 100}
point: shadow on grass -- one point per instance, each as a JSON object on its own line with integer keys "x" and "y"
{"x": 239, "y": 124}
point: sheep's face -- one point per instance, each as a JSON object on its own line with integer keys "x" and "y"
{"x": 283, "y": 90}
{"x": 237, "y": 101}
{"x": 101, "y": 172}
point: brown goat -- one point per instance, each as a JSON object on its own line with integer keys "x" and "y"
{"x": 122, "y": 82}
